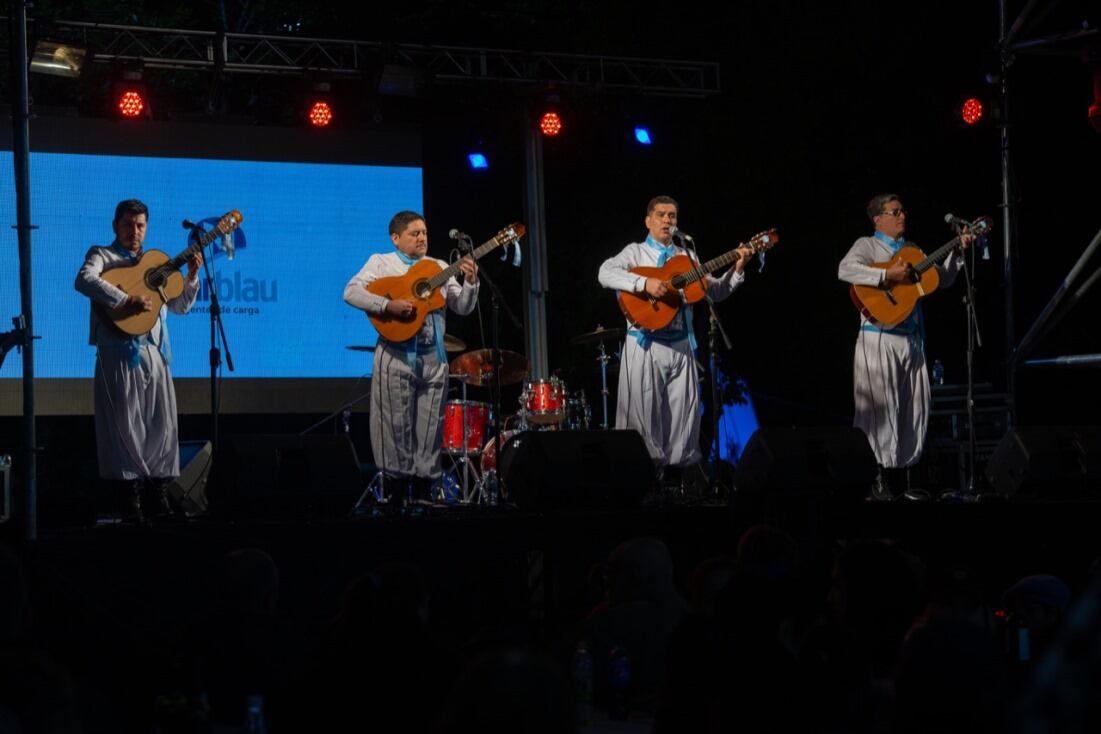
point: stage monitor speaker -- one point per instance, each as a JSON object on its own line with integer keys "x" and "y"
{"x": 286, "y": 476}
{"x": 188, "y": 491}
{"x": 815, "y": 461}
{"x": 549, "y": 470}
{"x": 1047, "y": 462}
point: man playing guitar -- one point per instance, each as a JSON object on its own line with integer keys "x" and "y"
{"x": 890, "y": 380}
{"x": 135, "y": 401}
{"x": 409, "y": 383}
{"x": 658, "y": 380}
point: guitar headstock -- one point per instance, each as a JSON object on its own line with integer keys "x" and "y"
{"x": 510, "y": 234}
{"x": 981, "y": 226}
{"x": 229, "y": 222}
{"x": 763, "y": 241}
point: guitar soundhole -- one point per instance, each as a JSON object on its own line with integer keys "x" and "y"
{"x": 154, "y": 279}
{"x": 421, "y": 289}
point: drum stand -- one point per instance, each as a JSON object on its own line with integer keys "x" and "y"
{"x": 604, "y": 358}
{"x": 440, "y": 492}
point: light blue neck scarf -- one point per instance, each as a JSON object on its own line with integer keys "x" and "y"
{"x": 894, "y": 244}
{"x": 664, "y": 251}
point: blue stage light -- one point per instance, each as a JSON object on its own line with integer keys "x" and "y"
{"x": 642, "y": 135}
{"x": 477, "y": 161}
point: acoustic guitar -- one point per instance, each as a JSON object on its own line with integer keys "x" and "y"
{"x": 890, "y": 304}
{"x": 158, "y": 278}
{"x": 421, "y": 284}
{"x": 683, "y": 280}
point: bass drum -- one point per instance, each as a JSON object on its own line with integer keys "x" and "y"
{"x": 489, "y": 452}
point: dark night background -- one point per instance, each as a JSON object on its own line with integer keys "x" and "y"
{"x": 822, "y": 106}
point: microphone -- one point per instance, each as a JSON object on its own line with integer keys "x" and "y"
{"x": 465, "y": 243}
{"x": 188, "y": 224}
{"x": 681, "y": 234}
{"x": 953, "y": 221}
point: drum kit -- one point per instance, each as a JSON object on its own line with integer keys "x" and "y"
{"x": 544, "y": 405}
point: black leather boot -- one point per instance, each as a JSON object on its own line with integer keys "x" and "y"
{"x": 130, "y": 501}
{"x": 881, "y": 487}
{"x": 158, "y": 505}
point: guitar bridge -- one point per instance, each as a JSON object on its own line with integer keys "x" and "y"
{"x": 890, "y": 297}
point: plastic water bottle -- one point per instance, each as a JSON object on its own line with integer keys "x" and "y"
{"x": 619, "y": 678}
{"x": 938, "y": 372}
{"x": 582, "y": 671}
{"x": 254, "y": 715}
{"x": 490, "y": 488}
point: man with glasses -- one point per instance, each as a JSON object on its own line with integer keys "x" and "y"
{"x": 890, "y": 380}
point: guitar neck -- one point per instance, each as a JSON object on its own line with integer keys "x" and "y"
{"x": 937, "y": 255}
{"x": 195, "y": 247}
{"x": 680, "y": 281}
{"x": 442, "y": 277}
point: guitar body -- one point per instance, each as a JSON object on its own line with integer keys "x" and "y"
{"x": 651, "y": 313}
{"x": 412, "y": 286}
{"x": 887, "y": 307}
{"x": 135, "y": 280}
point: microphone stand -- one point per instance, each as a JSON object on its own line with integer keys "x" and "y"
{"x": 497, "y": 300}
{"x": 217, "y": 329}
{"x": 715, "y": 328}
{"x": 974, "y": 338}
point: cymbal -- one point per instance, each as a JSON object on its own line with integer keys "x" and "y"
{"x": 362, "y": 348}
{"x": 477, "y": 369}
{"x": 600, "y": 335}
{"x": 453, "y": 343}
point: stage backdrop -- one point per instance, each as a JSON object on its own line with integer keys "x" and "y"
{"x": 308, "y": 227}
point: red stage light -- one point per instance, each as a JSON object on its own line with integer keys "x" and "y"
{"x": 971, "y": 111}
{"x": 131, "y": 104}
{"x": 321, "y": 114}
{"x": 550, "y": 124}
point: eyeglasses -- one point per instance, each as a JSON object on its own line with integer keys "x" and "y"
{"x": 896, "y": 212}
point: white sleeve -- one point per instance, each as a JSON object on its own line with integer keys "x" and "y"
{"x": 183, "y": 302}
{"x": 356, "y": 294}
{"x": 616, "y": 273}
{"x": 721, "y": 288}
{"x": 89, "y": 282}
{"x": 854, "y": 267}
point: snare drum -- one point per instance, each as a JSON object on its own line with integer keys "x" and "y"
{"x": 544, "y": 401}
{"x": 477, "y": 423}
{"x": 489, "y": 453}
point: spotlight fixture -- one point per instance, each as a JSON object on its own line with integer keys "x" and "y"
{"x": 477, "y": 161}
{"x": 971, "y": 111}
{"x": 642, "y": 135}
{"x": 58, "y": 59}
{"x": 319, "y": 104}
{"x": 550, "y": 124}
{"x": 130, "y": 98}
{"x": 320, "y": 114}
